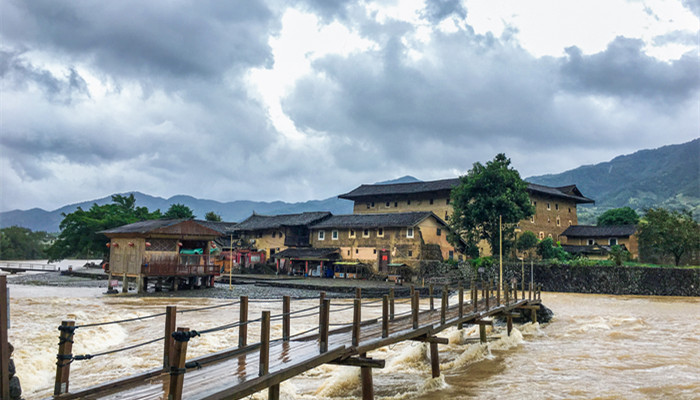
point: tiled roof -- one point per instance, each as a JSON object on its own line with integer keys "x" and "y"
{"x": 261, "y": 222}
{"x": 168, "y": 226}
{"x": 308, "y": 253}
{"x": 361, "y": 221}
{"x": 219, "y": 226}
{"x": 599, "y": 231}
{"x": 569, "y": 192}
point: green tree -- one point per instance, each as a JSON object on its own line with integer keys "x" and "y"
{"x": 549, "y": 250}
{"x": 179, "y": 211}
{"x": 669, "y": 232}
{"x": 79, "y": 229}
{"x": 618, "y": 254}
{"x": 526, "y": 242}
{"x": 484, "y": 194}
{"x": 618, "y": 216}
{"x": 212, "y": 216}
{"x": 17, "y": 243}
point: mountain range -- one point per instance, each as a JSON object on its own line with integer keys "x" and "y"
{"x": 668, "y": 177}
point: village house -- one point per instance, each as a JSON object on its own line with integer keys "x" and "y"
{"x": 381, "y": 240}
{"x": 596, "y": 241}
{"x": 555, "y": 207}
{"x": 169, "y": 252}
{"x": 270, "y": 234}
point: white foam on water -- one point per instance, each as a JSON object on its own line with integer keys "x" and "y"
{"x": 345, "y": 382}
{"x": 411, "y": 358}
{"x": 507, "y": 342}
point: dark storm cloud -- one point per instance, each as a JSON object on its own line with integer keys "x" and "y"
{"x": 437, "y": 10}
{"x": 133, "y": 38}
{"x": 624, "y": 70}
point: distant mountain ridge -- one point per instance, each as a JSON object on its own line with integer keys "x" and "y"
{"x": 668, "y": 176}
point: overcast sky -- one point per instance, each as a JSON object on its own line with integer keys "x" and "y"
{"x": 280, "y": 100}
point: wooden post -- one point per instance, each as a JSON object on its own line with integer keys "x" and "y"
{"x": 324, "y": 321}
{"x": 539, "y": 291}
{"x": 168, "y": 341}
{"x": 367, "y": 384}
{"x": 273, "y": 392}
{"x": 482, "y": 333}
{"x": 533, "y": 315}
{"x": 461, "y": 306}
{"x": 509, "y": 322}
{"x": 434, "y": 359}
{"x": 65, "y": 348}
{"x": 529, "y": 292}
{"x": 415, "y": 306}
{"x": 4, "y": 344}
{"x": 243, "y": 320}
{"x": 264, "y": 344}
{"x": 498, "y": 294}
{"x": 443, "y": 306}
{"x": 506, "y": 294}
{"x": 488, "y": 294}
{"x": 391, "y": 304}
{"x": 321, "y": 297}
{"x": 356, "y": 320}
{"x": 286, "y": 318}
{"x": 177, "y": 367}
{"x": 358, "y": 293}
{"x": 385, "y": 316}
{"x": 125, "y": 283}
{"x": 430, "y": 293}
{"x": 475, "y": 299}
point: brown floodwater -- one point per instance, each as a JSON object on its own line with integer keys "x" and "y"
{"x": 597, "y": 346}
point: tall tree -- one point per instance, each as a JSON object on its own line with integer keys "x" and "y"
{"x": 79, "y": 229}
{"x": 669, "y": 233}
{"x": 526, "y": 242}
{"x": 17, "y": 243}
{"x": 618, "y": 216}
{"x": 179, "y": 211}
{"x": 212, "y": 216}
{"x": 484, "y": 194}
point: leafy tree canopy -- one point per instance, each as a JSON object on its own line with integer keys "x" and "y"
{"x": 212, "y": 216}
{"x": 79, "y": 229}
{"x": 618, "y": 216}
{"x": 178, "y": 211}
{"x": 526, "y": 242}
{"x": 17, "y": 243}
{"x": 484, "y": 194}
{"x": 549, "y": 250}
{"x": 669, "y": 233}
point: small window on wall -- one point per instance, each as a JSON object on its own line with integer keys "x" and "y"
{"x": 549, "y": 220}
{"x": 365, "y": 233}
{"x": 556, "y": 206}
{"x": 408, "y": 202}
{"x": 410, "y": 253}
{"x": 549, "y": 236}
{"x": 534, "y": 203}
{"x": 569, "y": 210}
{"x": 321, "y": 235}
{"x": 409, "y": 233}
{"x": 447, "y": 216}
{"x": 351, "y": 234}
{"x": 334, "y": 235}
{"x": 591, "y": 242}
{"x": 357, "y": 251}
{"x": 348, "y": 252}
{"x": 612, "y": 241}
{"x": 380, "y": 232}
{"x": 372, "y": 204}
{"x": 558, "y": 222}
{"x": 274, "y": 234}
{"x": 388, "y": 204}
{"x": 259, "y": 235}
{"x": 532, "y": 219}
{"x": 431, "y": 201}
{"x": 447, "y": 201}
{"x": 439, "y": 232}
{"x": 396, "y": 204}
{"x": 374, "y": 251}
{"x": 549, "y": 206}
{"x": 541, "y": 235}
{"x": 368, "y": 206}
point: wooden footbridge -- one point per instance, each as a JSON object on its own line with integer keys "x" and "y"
{"x": 252, "y": 367}
{"x": 14, "y": 267}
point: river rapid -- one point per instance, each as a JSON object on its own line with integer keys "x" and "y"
{"x": 597, "y": 346}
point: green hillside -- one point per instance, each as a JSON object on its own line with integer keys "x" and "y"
{"x": 665, "y": 177}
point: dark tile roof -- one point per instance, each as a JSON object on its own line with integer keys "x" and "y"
{"x": 144, "y": 226}
{"x": 309, "y": 253}
{"x": 570, "y": 192}
{"x": 168, "y": 226}
{"x": 219, "y": 226}
{"x": 261, "y": 222}
{"x": 600, "y": 231}
{"x": 360, "y": 221}
{"x": 401, "y": 188}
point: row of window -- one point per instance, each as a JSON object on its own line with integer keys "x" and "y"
{"x": 549, "y": 221}
{"x": 549, "y": 206}
{"x": 611, "y": 242}
{"x": 374, "y": 251}
{"x": 387, "y": 204}
{"x": 365, "y": 233}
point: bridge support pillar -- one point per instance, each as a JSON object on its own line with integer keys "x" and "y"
{"x": 273, "y": 393}
{"x": 434, "y": 359}
{"x": 509, "y": 323}
{"x": 367, "y": 384}
{"x": 125, "y": 284}
{"x": 482, "y": 333}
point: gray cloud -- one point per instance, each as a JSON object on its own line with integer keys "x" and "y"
{"x": 624, "y": 70}
{"x": 437, "y": 10}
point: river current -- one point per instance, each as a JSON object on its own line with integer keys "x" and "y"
{"x": 596, "y": 347}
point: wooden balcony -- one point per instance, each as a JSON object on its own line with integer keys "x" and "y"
{"x": 180, "y": 265}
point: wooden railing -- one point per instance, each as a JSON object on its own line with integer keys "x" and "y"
{"x": 180, "y": 265}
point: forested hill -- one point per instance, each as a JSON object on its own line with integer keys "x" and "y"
{"x": 668, "y": 176}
